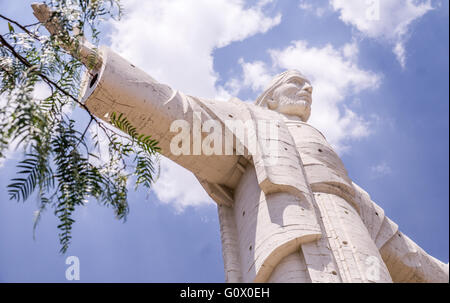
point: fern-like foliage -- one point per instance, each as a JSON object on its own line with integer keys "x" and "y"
{"x": 69, "y": 155}
{"x": 35, "y": 171}
{"x": 145, "y": 149}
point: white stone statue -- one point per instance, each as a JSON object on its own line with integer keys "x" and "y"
{"x": 288, "y": 210}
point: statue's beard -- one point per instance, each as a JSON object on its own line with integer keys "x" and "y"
{"x": 295, "y": 106}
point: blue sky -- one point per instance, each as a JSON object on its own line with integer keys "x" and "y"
{"x": 381, "y": 97}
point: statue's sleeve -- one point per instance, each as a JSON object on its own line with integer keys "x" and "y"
{"x": 154, "y": 109}
{"x": 405, "y": 260}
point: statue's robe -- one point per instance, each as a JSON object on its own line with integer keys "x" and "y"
{"x": 290, "y": 214}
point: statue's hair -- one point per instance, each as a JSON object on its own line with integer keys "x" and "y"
{"x": 276, "y": 82}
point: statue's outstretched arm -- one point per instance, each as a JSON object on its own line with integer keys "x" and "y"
{"x": 408, "y": 262}
{"x": 112, "y": 84}
{"x": 405, "y": 260}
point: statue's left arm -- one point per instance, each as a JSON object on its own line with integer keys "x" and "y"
{"x": 405, "y": 260}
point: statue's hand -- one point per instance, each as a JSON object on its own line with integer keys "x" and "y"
{"x": 77, "y": 48}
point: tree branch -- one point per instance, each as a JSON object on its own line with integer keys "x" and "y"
{"x": 20, "y": 26}
{"x": 49, "y": 81}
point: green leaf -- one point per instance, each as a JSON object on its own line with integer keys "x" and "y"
{"x": 11, "y": 28}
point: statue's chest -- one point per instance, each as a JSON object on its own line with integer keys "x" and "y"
{"x": 323, "y": 167}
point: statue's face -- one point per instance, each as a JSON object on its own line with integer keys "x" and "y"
{"x": 293, "y": 97}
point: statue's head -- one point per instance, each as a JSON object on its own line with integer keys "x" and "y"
{"x": 289, "y": 93}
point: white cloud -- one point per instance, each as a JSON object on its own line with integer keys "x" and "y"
{"x": 174, "y": 42}
{"x": 400, "y": 52}
{"x": 386, "y": 20}
{"x": 308, "y": 6}
{"x": 305, "y": 5}
{"x": 179, "y": 187}
{"x": 350, "y": 51}
{"x": 41, "y": 91}
{"x": 255, "y": 74}
{"x": 335, "y": 77}
{"x": 381, "y": 170}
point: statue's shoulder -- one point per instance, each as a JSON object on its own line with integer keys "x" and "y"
{"x": 237, "y": 109}
{"x": 217, "y": 103}
{"x": 224, "y": 110}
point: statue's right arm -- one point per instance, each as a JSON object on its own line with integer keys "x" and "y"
{"x": 155, "y": 109}
{"x": 117, "y": 86}
{"x": 112, "y": 84}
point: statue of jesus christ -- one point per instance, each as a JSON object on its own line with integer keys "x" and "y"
{"x": 288, "y": 210}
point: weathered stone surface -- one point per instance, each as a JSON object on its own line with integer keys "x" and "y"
{"x": 288, "y": 212}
